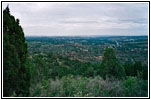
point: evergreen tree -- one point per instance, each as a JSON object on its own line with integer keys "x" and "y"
{"x": 16, "y": 74}
{"x": 137, "y": 68}
{"x": 129, "y": 69}
{"x": 110, "y": 65}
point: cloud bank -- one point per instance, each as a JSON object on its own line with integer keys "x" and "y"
{"x": 64, "y": 19}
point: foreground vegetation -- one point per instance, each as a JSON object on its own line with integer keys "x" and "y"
{"x": 77, "y": 86}
{"x": 57, "y": 76}
{"x": 49, "y": 75}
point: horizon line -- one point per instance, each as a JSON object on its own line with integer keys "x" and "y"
{"x": 77, "y": 35}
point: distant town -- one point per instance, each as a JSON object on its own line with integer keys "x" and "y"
{"x": 90, "y": 49}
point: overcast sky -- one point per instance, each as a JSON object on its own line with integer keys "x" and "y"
{"x": 64, "y": 19}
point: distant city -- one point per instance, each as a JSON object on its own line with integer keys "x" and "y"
{"x": 91, "y": 48}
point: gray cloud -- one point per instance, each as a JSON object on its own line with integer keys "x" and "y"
{"x": 90, "y": 22}
{"x": 136, "y": 20}
{"x": 50, "y": 18}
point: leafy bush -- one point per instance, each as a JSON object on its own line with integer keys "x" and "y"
{"x": 134, "y": 87}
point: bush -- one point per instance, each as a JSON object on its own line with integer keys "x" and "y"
{"x": 134, "y": 87}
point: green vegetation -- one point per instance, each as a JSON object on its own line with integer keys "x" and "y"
{"x": 91, "y": 49}
{"x": 43, "y": 72}
{"x": 70, "y": 78}
{"x": 77, "y": 86}
{"x": 110, "y": 65}
{"x": 15, "y": 71}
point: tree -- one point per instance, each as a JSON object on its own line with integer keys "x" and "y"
{"x": 137, "y": 68}
{"x": 11, "y": 66}
{"x": 145, "y": 73}
{"x": 129, "y": 68}
{"x": 16, "y": 74}
{"x": 110, "y": 65}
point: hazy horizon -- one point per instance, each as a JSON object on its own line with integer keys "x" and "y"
{"x": 81, "y": 19}
{"x": 82, "y": 35}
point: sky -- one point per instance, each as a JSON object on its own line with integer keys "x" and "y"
{"x": 80, "y": 18}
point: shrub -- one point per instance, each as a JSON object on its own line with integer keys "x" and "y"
{"x": 134, "y": 87}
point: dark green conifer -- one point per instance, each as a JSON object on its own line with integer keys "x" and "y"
{"x": 110, "y": 65}
{"x": 15, "y": 72}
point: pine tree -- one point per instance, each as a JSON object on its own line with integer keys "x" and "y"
{"x": 110, "y": 65}
{"x": 16, "y": 74}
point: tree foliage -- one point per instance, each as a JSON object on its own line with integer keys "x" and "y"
{"x": 136, "y": 69}
{"x": 73, "y": 78}
{"x": 110, "y": 65}
{"x": 15, "y": 72}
